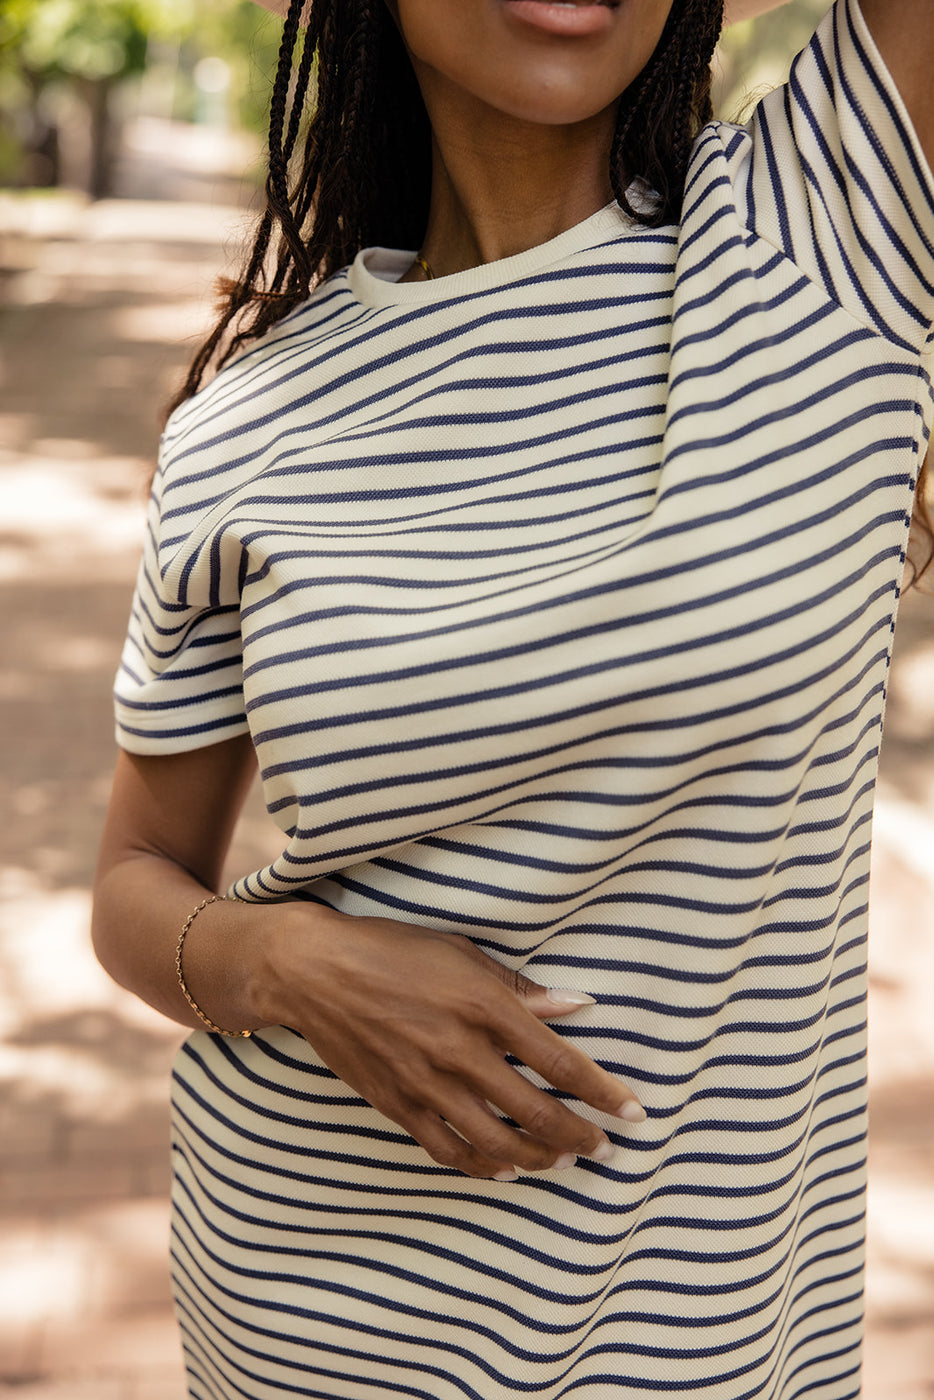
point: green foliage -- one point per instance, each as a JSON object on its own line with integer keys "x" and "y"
{"x": 59, "y": 51}
{"x": 108, "y": 38}
{"x": 103, "y": 40}
{"x": 247, "y": 38}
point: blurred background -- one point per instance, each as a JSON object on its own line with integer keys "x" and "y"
{"x": 130, "y": 159}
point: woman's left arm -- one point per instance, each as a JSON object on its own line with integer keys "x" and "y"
{"x": 904, "y": 33}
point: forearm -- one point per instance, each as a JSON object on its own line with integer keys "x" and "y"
{"x": 162, "y": 852}
{"x": 140, "y": 906}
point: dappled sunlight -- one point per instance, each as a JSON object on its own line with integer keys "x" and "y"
{"x": 900, "y": 1282}
{"x": 41, "y": 1283}
{"x": 16, "y": 429}
{"x": 33, "y": 919}
{"x": 85, "y": 1305}
{"x": 905, "y": 831}
{"x": 51, "y": 979}
{"x": 914, "y": 692}
{"x": 213, "y": 153}
{"x": 68, "y": 214}
{"x": 900, "y": 1279}
{"x": 902, "y": 950}
{"x": 102, "y": 311}
{"x": 54, "y": 509}
{"x": 99, "y": 300}
{"x": 171, "y": 323}
{"x": 84, "y": 1128}
{"x": 902, "y": 1222}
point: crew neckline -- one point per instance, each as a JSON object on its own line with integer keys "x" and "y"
{"x": 374, "y": 274}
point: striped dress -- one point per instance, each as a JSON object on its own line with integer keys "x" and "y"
{"x": 557, "y": 596}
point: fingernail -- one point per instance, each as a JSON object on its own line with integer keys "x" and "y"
{"x": 506, "y": 1175}
{"x": 567, "y": 1159}
{"x": 603, "y": 1152}
{"x": 632, "y": 1112}
{"x": 562, "y": 996}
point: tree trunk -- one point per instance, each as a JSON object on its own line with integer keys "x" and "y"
{"x": 103, "y": 132}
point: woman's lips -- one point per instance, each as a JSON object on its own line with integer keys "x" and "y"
{"x": 568, "y": 20}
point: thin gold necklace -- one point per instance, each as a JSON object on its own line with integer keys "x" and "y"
{"x": 425, "y": 267}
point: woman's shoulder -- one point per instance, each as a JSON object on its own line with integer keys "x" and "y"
{"x": 221, "y": 427}
{"x": 829, "y": 172}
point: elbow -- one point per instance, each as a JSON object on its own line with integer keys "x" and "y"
{"x": 104, "y": 922}
{"x": 116, "y": 919}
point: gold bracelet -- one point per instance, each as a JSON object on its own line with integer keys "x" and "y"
{"x": 219, "y": 1030}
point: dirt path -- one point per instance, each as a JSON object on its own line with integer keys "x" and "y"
{"x": 98, "y": 300}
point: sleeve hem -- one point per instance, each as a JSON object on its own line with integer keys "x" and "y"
{"x": 151, "y": 739}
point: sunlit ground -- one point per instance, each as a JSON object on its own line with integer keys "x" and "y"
{"x": 98, "y": 299}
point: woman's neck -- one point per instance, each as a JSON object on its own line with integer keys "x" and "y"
{"x": 501, "y": 186}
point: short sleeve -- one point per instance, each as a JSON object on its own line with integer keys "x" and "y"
{"x": 180, "y": 681}
{"x": 839, "y": 183}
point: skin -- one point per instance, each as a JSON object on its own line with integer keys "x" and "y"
{"x": 522, "y": 121}
{"x": 418, "y": 1022}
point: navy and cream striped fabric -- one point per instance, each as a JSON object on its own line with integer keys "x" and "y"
{"x": 558, "y": 597}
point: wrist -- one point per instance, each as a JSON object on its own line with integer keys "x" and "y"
{"x": 199, "y": 1011}
{"x": 232, "y": 965}
{"x": 273, "y": 985}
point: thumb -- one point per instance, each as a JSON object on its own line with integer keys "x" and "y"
{"x": 543, "y": 1001}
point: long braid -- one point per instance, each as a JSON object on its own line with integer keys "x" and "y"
{"x": 277, "y": 179}
{"x": 360, "y": 94}
{"x": 661, "y": 114}
{"x": 302, "y": 271}
{"x": 250, "y": 290}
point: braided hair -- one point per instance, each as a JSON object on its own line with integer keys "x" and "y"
{"x": 363, "y": 172}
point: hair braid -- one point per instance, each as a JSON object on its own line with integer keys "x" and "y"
{"x": 282, "y": 138}
{"x": 301, "y": 273}
{"x": 662, "y": 113}
{"x": 277, "y": 179}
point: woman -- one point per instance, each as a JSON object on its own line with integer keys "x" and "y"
{"x": 549, "y": 572}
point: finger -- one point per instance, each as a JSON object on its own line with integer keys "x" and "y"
{"x": 541, "y": 1001}
{"x": 449, "y": 1149}
{"x": 546, "y": 1002}
{"x": 497, "y": 1140}
{"x": 545, "y": 1120}
{"x": 565, "y": 1067}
